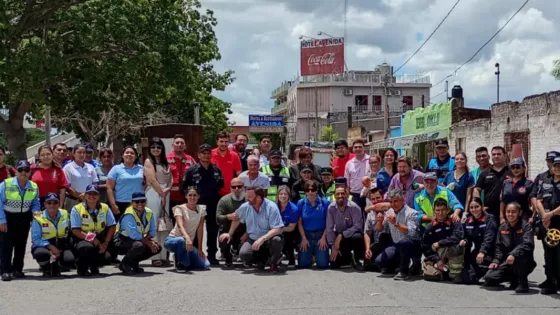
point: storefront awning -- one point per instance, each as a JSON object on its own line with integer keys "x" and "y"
{"x": 406, "y": 142}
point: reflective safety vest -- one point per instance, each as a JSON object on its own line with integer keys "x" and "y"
{"x": 283, "y": 178}
{"x": 16, "y": 203}
{"x": 90, "y": 225}
{"x": 142, "y": 229}
{"x": 329, "y": 194}
{"x": 50, "y": 230}
{"x": 427, "y": 205}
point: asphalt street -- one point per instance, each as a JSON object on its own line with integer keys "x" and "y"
{"x": 242, "y": 291}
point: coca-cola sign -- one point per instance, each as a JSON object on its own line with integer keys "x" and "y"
{"x": 322, "y": 56}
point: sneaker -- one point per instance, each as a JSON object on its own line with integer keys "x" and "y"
{"x": 387, "y": 272}
{"x": 179, "y": 268}
{"x": 138, "y": 269}
{"x": 214, "y": 262}
{"x": 7, "y": 276}
{"x": 126, "y": 269}
{"x": 19, "y": 274}
{"x": 274, "y": 268}
{"x": 401, "y": 276}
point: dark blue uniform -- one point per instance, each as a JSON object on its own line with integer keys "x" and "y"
{"x": 549, "y": 195}
{"x": 519, "y": 192}
{"x": 480, "y": 235}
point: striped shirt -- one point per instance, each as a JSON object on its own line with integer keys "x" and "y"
{"x": 406, "y": 216}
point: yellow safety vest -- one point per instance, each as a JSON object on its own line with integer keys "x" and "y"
{"x": 50, "y": 230}
{"x": 329, "y": 194}
{"x": 272, "y": 191}
{"x": 88, "y": 225}
{"x": 427, "y": 206}
{"x": 143, "y": 229}
{"x": 16, "y": 203}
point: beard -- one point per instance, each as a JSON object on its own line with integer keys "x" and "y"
{"x": 239, "y": 197}
{"x": 340, "y": 202}
{"x": 239, "y": 147}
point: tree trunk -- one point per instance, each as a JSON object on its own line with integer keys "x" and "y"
{"x": 118, "y": 145}
{"x": 16, "y": 141}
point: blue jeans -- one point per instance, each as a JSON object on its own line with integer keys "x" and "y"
{"x": 321, "y": 256}
{"x": 190, "y": 260}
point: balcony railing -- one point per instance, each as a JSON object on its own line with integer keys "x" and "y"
{"x": 357, "y": 77}
{"x": 279, "y": 108}
{"x": 283, "y": 88}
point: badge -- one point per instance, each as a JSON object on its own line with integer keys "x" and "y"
{"x": 285, "y": 179}
{"x": 84, "y": 216}
{"x": 102, "y": 225}
{"x": 45, "y": 225}
{"x": 54, "y": 174}
{"x": 522, "y": 190}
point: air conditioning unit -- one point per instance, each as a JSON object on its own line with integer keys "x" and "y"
{"x": 397, "y": 92}
{"x": 348, "y": 92}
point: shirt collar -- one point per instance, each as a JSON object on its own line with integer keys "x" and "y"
{"x": 15, "y": 183}
{"x": 46, "y": 214}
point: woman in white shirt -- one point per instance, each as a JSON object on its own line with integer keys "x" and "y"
{"x": 189, "y": 225}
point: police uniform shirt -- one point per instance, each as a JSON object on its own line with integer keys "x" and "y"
{"x": 277, "y": 180}
{"x": 518, "y": 192}
{"x": 441, "y": 167}
{"x": 208, "y": 181}
{"x": 481, "y": 233}
{"x": 490, "y": 182}
{"x": 538, "y": 183}
{"x": 549, "y": 194}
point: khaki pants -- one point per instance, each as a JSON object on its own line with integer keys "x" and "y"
{"x": 453, "y": 257}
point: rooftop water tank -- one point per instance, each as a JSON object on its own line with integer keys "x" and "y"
{"x": 457, "y": 92}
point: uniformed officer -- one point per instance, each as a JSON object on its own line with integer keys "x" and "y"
{"x": 278, "y": 175}
{"x": 208, "y": 179}
{"x": 548, "y": 206}
{"x": 326, "y": 190}
{"x": 443, "y": 255}
{"x": 537, "y": 184}
{"x": 298, "y": 191}
{"x": 517, "y": 189}
{"x": 93, "y": 226}
{"x": 19, "y": 200}
{"x": 49, "y": 236}
{"x": 479, "y": 242}
{"x": 442, "y": 163}
{"x": 513, "y": 259}
{"x": 136, "y": 235}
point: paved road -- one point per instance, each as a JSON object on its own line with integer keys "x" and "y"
{"x": 162, "y": 291}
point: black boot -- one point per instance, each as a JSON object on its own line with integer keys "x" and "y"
{"x": 55, "y": 269}
{"x": 47, "y": 270}
{"x": 523, "y": 286}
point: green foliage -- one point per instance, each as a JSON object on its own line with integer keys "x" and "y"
{"x": 33, "y": 136}
{"x": 213, "y": 117}
{"x": 328, "y": 134}
{"x": 556, "y": 69}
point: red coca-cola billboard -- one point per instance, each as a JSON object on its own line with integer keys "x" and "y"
{"x": 322, "y": 56}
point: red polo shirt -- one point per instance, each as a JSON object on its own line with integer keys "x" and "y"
{"x": 339, "y": 164}
{"x": 229, "y": 164}
{"x": 49, "y": 180}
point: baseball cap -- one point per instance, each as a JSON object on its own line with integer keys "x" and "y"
{"x": 517, "y": 161}
{"x": 306, "y": 168}
{"x": 89, "y": 147}
{"x": 442, "y": 143}
{"x": 556, "y": 160}
{"x": 204, "y": 147}
{"x": 138, "y": 196}
{"x": 22, "y": 164}
{"x": 340, "y": 181}
{"x": 52, "y": 197}
{"x": 92, "y": 189}
{"x": 275, "y": 153}
{"x": 551, "y": 155}
{"x": 326, "y": 171}
{"x": 430, "y": 175}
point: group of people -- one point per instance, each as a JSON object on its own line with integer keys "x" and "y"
{"x": 378, "y": 213}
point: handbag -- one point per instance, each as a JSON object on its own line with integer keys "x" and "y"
{"x": 164, "y": 223}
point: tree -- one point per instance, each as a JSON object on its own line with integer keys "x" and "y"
{"x": 214, "y": 119}
{"x": 85, "y": 57}
{"x": 556, "y": 69}
{"x": 328, "y": 134}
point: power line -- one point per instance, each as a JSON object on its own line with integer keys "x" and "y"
{"x": 427, "y": 39}
{"x": 433, "y": 97}
{"x": 482, "y": 47}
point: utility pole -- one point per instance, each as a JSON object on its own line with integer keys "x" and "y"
{"x": 317, "y": 131}
{"x": 196, "y": 113}
{"x": 385, "y": 82}
{"x": 497, "y": 73}
{"x": 48, "y": 125}
{"x": 446, "y": 90}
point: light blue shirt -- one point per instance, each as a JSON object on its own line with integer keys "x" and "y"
{"x": 76, "y": 220}
{"x": 35, "y": 204}
{"x": 127, "y": 181}
{"x": 260, "y": 223}
{"x": 37, "y": 231}
{"x": 261, "y": 180}
{"x": 452, "y": 201}
{"x": 128, "y": 223}
{"x": 263, "y": 161}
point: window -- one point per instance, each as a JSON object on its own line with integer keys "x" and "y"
{"x": 420, "y": 123}
{"x": 407, "y": 103}
{"x": 361, "y": 102}
{"x": 377, "y": 103}
{"x": 460, "y": 145}
{"x": 432, "y": 120}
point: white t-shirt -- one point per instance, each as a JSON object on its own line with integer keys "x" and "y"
{"x": 80, "y": 177}
{"x": 191, "y": 219}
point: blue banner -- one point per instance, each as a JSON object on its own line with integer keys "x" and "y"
{"x": 266, "y": 123}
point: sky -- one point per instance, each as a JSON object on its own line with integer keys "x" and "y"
{"x": 259, "y": 40}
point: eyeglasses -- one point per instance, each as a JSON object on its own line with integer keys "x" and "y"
{"x": 157, "y": 147}
{"x": 52, "y": 202}
{"x": 311, "y": 190}
{"x": 24, "y": 169}
{"x": 236, "y": 186}
{"x": 139, "y": 201}
{"x": 106, "y": 157}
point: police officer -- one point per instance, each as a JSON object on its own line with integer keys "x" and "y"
{"x": 517, "y": 189}
{"x": 278, "y": 175}
{"x": 208, "y": 179}
{"x": 440, "y": 244}
{"x": 93, "y": 226}
{"x": 480, "y": 232}
{"x": 548, "y": 207}
{"x": 298, "y": 191}
{"x": 513, "y": 259}
{"x": 19, "y": 200}
{"x": 326, "y": 190}
{"x": 442, "y": 163}
{"x": 49, "y": 236}
{"x": 537, "y": 225}
{"x": 136, "y": 235}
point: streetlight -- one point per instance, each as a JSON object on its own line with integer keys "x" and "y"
{"x": 321, "y": 33}
{"x": 497, "y": 73}
{"x": 303, "y": 36}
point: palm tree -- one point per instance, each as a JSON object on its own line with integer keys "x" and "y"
{"x": 556, "y": 69}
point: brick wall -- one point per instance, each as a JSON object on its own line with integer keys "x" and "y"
{"x": 537, "y": 114}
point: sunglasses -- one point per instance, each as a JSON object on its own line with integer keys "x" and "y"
{"x": 516, "y": 167}
{"x": 236, "y": 186}
{"x": 139, "y": 201}
{"x": 52, "y": 202}
{"x": 24, "y": 169}
{"x": 311, "y": 190}
{"x": 106, "y": 157}
{"x": 157, "y": 147}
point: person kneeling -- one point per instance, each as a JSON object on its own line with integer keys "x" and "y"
{"x": 49, "y": 235}
{"x": 264, "y": 227}
{"x": 136, "y": 231}
{"x": 444, "y": 257}
{"x": 513, "y": 259}
{"x": 189, "y": 225}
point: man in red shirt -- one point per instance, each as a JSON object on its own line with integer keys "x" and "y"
{"x": 343, "y": 156}
{"x": 178, "y": 162}
{"x": 227, "y": 160}
{"x": 5, "y": 170}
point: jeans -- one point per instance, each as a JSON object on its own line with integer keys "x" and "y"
{"x": 398, "y": 254}
{"x": 189, "y": 260}
{"x": 321, "y": 256}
